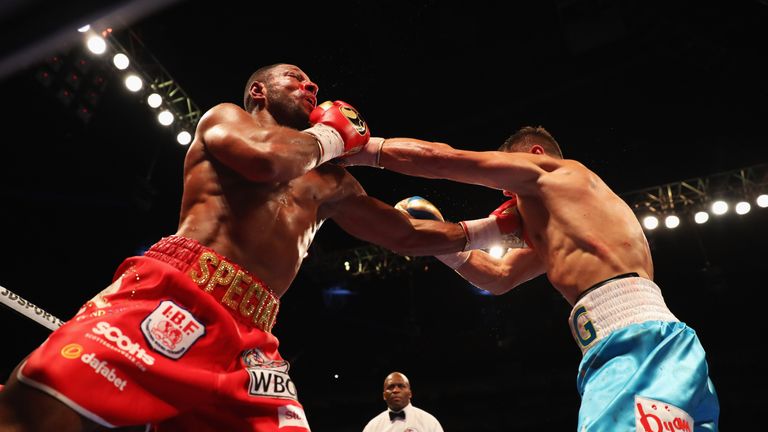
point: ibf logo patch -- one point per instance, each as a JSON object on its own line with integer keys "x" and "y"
{"x": 655, "y": 416}
{"x": 171, "y": 330}
{"x": 290, "y": 415}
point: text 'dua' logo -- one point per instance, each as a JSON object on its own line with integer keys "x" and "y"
{"x": 656, "y": 416}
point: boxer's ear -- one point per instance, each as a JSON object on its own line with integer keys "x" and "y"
{"x": 258, "y": 92}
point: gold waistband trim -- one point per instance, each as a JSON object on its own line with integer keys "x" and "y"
{"x": 246, "y": 297}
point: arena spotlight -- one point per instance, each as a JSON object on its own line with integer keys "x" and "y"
{"x": 701, "y": 217}
{"x": 154, "y": 100}
{"x": 121, "y": 61}
{"x": 743, "y": 207}
{"x": 671, "y": 221}
{"x": 84, "y": 28}
{"x": 184, "y": 137}
{"x": 96, "y": 44}
{"x": 165, "y": 118}
{"x": 170, "y": 96}
{"x": 650, "y": 222}
{"x": 133, "y": 82}
{"x": 719, "y": 207}
{"x": 497, "y": 251}
{"x": 762, "y": 200}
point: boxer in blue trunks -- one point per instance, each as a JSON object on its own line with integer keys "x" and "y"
{"x": 642, "y": 369}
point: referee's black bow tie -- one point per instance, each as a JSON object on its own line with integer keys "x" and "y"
{"x": 393, "y": 415}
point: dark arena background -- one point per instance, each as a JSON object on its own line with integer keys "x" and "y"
{"x": 667, "y": 101}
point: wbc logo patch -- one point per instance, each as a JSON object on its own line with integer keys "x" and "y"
{"x": 171, "y": 330}
{"x": 268, "y": 377}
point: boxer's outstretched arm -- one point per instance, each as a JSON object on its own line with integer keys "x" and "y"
{"x": 517, "y": 172}
{"x": 499, "y": 275}
{"x": 258, "y": 153}
{"x": 372, "y": 220}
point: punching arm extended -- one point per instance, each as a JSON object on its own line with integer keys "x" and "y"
{"x": 372, "y": 220}
{"x": 498, "y": 170}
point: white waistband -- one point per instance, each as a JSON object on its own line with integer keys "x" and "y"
{"x": 616, "y": 305}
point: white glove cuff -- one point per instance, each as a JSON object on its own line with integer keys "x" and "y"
{"x": 329, "y": 141}
{"x": 370, "y": 155}
{"x": 481, "y": 233}
{"x": 454, "y": 260}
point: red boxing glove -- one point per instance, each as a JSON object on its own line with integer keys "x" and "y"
{"x": 503, "y": 227}
{"x": 339, "y": 129}
{"x": 508, "y": 218}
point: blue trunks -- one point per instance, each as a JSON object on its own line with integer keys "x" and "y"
{"x": 642, "y": 370}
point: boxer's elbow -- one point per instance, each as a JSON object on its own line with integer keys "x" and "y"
{"x": 255, "y": 161}
{"x": 495, "y": 287}
{"x": 500, "y": 280}
{"x": 262, "y": 169}
{"x": 498, "y": 289}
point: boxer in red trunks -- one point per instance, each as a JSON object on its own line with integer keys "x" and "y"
{"x": 182, "y": 338}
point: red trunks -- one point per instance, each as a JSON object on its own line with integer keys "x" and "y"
{"x": 181, "y": 340}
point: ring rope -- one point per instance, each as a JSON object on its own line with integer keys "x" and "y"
{"x": 28, "y": 309}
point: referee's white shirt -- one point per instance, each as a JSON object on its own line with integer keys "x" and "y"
{"x": 416, "y": 420}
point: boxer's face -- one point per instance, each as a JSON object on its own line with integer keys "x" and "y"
{"x": 291, "y": 96}
{"x": 397, "y": 392}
